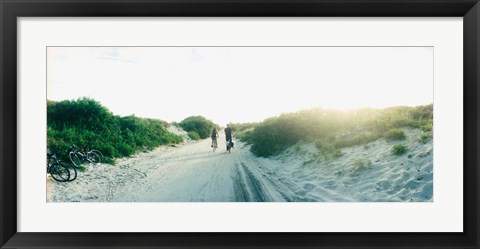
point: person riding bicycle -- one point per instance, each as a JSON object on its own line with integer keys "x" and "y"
{"x": 214, "y": 136}
{"x": 229, "y": 135}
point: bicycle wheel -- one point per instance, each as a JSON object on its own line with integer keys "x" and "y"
{"x": 59, "y": 172}
{"x": 228, "y": 146}
{"x": 73, "y": 173}
{"x": 75, "y": 159}
{"x": 93, "y": 157}
{"x": 214, "y": 147}
{"x": 98, "y": 152}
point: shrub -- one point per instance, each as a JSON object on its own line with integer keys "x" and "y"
{"x": 125, "y": 149}
{"x": 86, "y": 123}
{"x": 395, "y": 134}
{"x": 244, "y": 131}
{"x": 327, "y": 150}
{"x": 399, "y": 149}
{"x": 193, "y": 135}
{"x": 424, "y": 138}
{"x": 266, "y": 141}
{"x": 246, "y": 136}
{"x": 198, "y": 124}
{"x": 359, "y": 127}
{"x": 359, "y": 139}
{"x": 427, "y": 127}
{"x": 360, "y": 164}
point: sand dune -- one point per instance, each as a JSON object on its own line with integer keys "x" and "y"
{"x": 191, "y": 172}
{"x": 382, "y": 177}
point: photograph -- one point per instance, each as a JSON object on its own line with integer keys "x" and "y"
{"x": 240, "y": 124}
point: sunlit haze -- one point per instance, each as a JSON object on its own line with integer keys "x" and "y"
{"x": 239, "y": 84}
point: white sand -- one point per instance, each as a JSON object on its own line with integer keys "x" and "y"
{"x": 192, "y": 172}
{"x": 408, "y": 177}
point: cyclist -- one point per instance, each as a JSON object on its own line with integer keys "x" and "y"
{"x": 214, "y": 136}
{"x": 229, "y": 135}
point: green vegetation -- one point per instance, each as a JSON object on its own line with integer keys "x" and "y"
{"x": 360, "y": 164}
{"x": 338, "y": 128}
{"x": 395, "y": 134}
{"x": 427, "y": 127}
{"x": 198, "y": 127}
{"x": 244, "y": 131}
{"x": 327, "y": 150}
{"x": 86, "y": 123}
{"x": 355, "y": 139}
{"x": 399, "y": 149}
{"x": 193, "y": 135}
{"x": 424, "y": 138}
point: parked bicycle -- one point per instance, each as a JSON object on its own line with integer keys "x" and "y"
{"x": 57, "y": 170}
{"x": 78, "y": 157}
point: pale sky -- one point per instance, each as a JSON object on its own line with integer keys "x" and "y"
{"x": 239, "y": 84}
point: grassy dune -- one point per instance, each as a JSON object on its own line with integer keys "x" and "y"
{"x": 86, "y": 123}
{"x": 332, "y": 130}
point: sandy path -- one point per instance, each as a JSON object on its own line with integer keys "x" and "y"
{"x": 191, "y": 172}
{"x": 188, "y": 173}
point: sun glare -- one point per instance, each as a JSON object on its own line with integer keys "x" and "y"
{"x": 240, "y": 84}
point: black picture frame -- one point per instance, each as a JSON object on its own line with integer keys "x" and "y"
{"x": 11, "y": 9}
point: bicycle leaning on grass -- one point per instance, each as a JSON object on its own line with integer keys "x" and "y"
{"x": 78, "y": 157}
{"x": 57, "y": 170}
